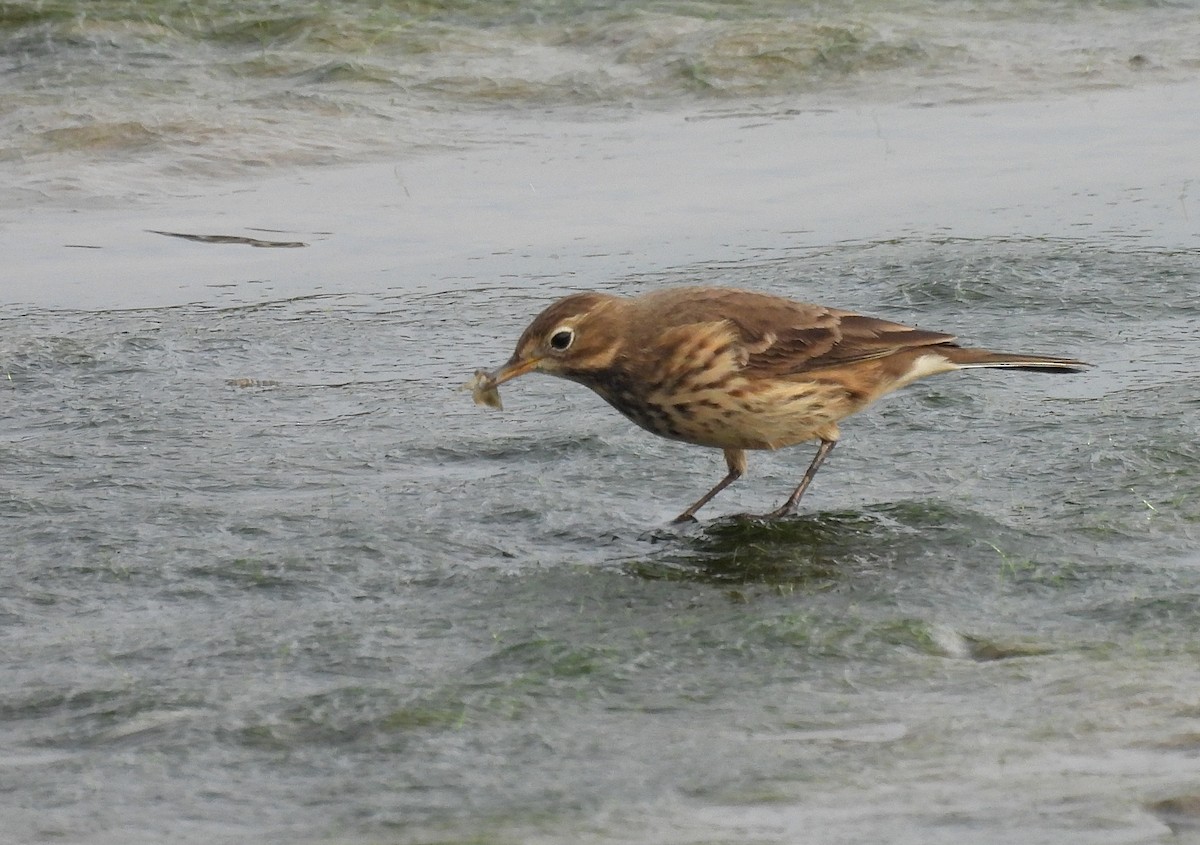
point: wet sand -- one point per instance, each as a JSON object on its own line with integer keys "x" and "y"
{"x": 588, "y": 202}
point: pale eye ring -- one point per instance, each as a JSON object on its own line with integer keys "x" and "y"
{"x": 562, "y": 339}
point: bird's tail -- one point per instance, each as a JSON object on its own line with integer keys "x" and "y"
{"x": 966, "y": 358}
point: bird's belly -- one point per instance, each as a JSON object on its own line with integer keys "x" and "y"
{"x": 739, "y": 415}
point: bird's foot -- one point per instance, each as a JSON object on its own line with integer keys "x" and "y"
{"x": 779, "y": 513}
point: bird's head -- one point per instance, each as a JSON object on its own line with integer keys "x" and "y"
{"x": 574, "y": 338}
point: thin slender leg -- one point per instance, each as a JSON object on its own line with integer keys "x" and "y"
{"x": 790, "y": 505}
{"x": 735, "y": 459}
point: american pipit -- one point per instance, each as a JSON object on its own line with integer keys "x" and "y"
{"x": 734, "y": 369}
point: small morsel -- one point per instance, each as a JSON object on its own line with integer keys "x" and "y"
{"x": 484, "y": 390}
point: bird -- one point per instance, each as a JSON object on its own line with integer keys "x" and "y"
{"x": 737, "y": 369}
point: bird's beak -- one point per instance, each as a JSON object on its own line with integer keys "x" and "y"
{"x": 483, "y": 385}
{"x": 515, "y": 367}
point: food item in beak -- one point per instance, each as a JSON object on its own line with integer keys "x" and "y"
{"x": 484, "y": 390}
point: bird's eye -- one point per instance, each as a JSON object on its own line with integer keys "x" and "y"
{"x": 562, "y": 339}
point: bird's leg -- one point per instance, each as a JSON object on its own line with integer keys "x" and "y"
{"x": 735, "y": 459}
{"x": 822, "y": 453}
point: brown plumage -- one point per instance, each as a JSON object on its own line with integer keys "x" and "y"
{"x": 736, "y": 370}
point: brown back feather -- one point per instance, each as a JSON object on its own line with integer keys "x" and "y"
{"x": 783, "y": 337}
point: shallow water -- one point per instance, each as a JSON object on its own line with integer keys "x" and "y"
{"x": 270, "y": 576}
{"x": 113, "y": 101}
{"x": 585, "y": 204}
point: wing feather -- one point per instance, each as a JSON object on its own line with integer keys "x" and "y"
{"x": 781, "y": 337}
{"x": 803, "y": 341}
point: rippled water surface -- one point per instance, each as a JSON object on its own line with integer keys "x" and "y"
{"x": 122, "y": 95}
{"x": 269, "y": 576}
